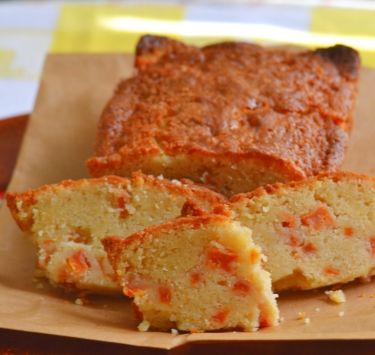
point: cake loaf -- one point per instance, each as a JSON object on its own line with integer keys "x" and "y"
{"x": 195, "y": 274}
{"x": 66, "y": 221}
{"x": 232, "y": 115}
{"x": 316, "y": 232}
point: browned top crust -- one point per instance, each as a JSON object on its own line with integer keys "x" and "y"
{"x": 232, "y": 98}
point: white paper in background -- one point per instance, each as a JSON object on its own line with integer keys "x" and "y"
{"x": 294, "y": 17}
{"x": 21, "y": 60}
{"x": 25, "y": 35}
{"x": 17, "y": 96}
{"x": 30, "y": 14}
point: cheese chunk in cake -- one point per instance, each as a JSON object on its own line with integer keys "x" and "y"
{"x": 66, "y": 221}
{"x": 316, "y": 232}
{"x": 195, "y": 274}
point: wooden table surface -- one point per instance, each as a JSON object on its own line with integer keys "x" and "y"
{"x": 17, "y": 342}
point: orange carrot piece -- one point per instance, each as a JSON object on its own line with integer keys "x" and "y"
{"x": 309, "y": 248}
{"x": 77, "y": 263}
{"x": 131, "y": 291}
{"x": 242, "y": 287}
{"x": 331, "y": 271}
{"x": 195, "y": 277}
{"x": 221, "y": 315}
{"x": 294, "y": 240}
{"x": 348, "y": 232}
{"x": 372, "y": 245}
{"x": 263, "y": 321}
{"x": 263, "y": 317}
{"x": 165, "y": 294}
{"x": 318, "y": 219}
{"x": 121, "y": 204}
{"x": 221, "y": 258}
{"x": 289, "y": 221}
{"x": 254, "y": 256}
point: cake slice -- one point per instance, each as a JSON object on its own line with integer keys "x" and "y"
{"x": 316, "y": 232}
{"x": 66, "y": 221}
{"x": 232, "y": 115}
{"x": 195, "y": 274}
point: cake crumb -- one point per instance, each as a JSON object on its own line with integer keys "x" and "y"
{"x": 317, "y": 309}
{"x": 306, "y": 320}
{"x": 341, "y": 314}
{"x": 144, "y": 326}
{"x": 174, "y": 331}
{"x": 130, "y": 208}
{"x": 78, "y": 302}
{"x": 337, "y": 296}
{"x": 301, "y": 315}
{"x": 176, "y": 182}
{"x": 281, "y": 319}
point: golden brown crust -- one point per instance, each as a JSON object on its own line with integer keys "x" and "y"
{"x": 273, "y": 189}
{"x": 29, "y": 198}
{"x": 114, "y": 163}
{"x": 228, "y": 100}
{"x": 114, "y": 245}
{"x": 345, "y": 59}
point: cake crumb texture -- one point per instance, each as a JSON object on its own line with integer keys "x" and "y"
{"x": 195, "y": 274}
{"x": 66, "y": 221}
{"x": 317, "y": 232}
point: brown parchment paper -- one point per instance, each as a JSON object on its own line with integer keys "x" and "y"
{"x": 60, "y": 136}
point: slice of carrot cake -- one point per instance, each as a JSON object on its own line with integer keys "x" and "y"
{"x": 195, "y": 274}
{"x": 316, "y": 232}
{"x": 66, "y": 221}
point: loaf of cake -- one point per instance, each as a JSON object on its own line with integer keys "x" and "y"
{"x": 195, "y": 274}
{"x": 316, "y": 232}
{"x": 66, "y": 221}
{"x": 232, "y": 115}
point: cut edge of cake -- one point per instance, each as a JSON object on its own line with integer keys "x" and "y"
{"x": 195, "y": 274}
{"x": 316, "y": 232}
{"x": 67, "y": 220}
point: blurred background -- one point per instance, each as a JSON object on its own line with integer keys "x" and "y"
{"x": 31, "y": 29}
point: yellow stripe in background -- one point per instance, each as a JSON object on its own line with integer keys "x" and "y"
{"x": 7, "y": 68}
{"x": 81, "y": 28}
{"x": 356, "y": 25}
